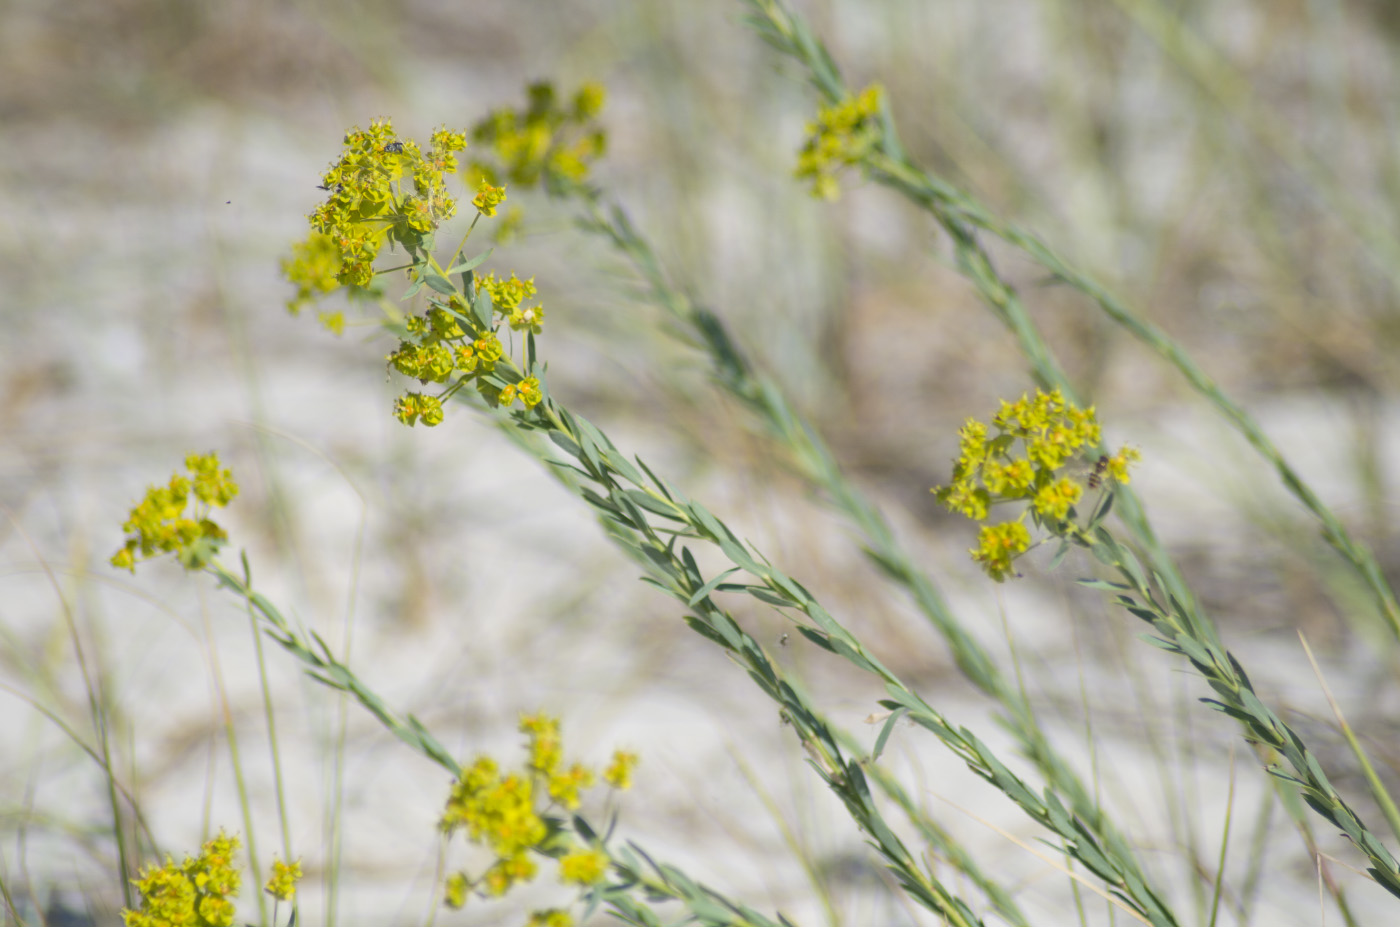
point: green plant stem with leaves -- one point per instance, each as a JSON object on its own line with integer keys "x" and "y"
{"x": 628, "y": 502}
{"x": 765, "y": 399}
{"x": 462, "y": 311}
{"x": 1176, "y": 632}
{"x": 630, "y": 864}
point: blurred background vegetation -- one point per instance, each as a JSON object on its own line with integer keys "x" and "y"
{"x": 1229, "y": 169}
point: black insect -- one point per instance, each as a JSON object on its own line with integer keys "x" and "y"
{"x": 335, "y": 189}
{"x": 1096, "y": 478}
{"x": 394, "y": 148}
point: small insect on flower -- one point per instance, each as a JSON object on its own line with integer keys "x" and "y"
{"x": 394, "y": 148}
{"x": 1096, "y": 478}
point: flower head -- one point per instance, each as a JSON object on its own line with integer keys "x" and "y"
{"x": 174, "y": 518}
{"x": 1023, "y": 457}
{"x": 548, "y": 140}
{"x": 283, "y": 883}
{"x": 194, "y": 893}
{"x": 842, "y": 135}
{"x": 583, "y": 867}
{"x": 488, "y": 198}
{"x": 619, "y": 771}
{"x": 382, "y": 189}
{"x": 998, "y": 545}
{"x": 505, "y": 812}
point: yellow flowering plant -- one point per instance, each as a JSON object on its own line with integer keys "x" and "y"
{"x": 174, "y": 518}
{"x": 195, "y": 893}
{"x": 1036, "y": 462}
{"x": 518, "y": 816}
{"x": 387, "y": 190}
{"x": 522, "y": 817}
{"x": 843, "y": 135}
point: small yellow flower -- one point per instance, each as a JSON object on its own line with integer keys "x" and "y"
{"x": 545, "y": 743}
{"x": 566, "y": 786}
{"x": 583, "y": 867}
{"x": 619, "y": 771}
{"x": 283, "y": 883}
{"x": 411, "y": 408}
{"x": 455, "y": 892}
{"x": 842, "y": 135}
{"x": 998, "y": 545}
{"x": 1054, "y": 500}
{"x": 312, "y": 268}
{"x": 1119, "y": 463}
{"x": 333, "y": 322}
{"x": 589, "y": 100}
{"x": 527, "y": 318}
{"x": 530, "y": 393}
{"x": 507, "y": 872}
{"x": 544, "y": 141}
{"x": 507, "y": 295}
{"x": 488, "y": 198}
{"x": 488, "y": 350}
{"x": 550, "y": 917}
{"x": 215, "y": 911}
{"x": 964, "y": 496}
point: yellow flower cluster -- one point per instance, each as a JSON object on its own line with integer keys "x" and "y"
{"x": 546, "y": 141}
{"x": 282, "y": 885}
{"x": 619, "y": 771}
{"x": 842, "y": 135}
{"x": 505, "y": 813}
{"x": 194, "y": 894}
{"x": 449, "y": 343}
{"x": 488, "y": 198}
{"x": 381, "y": 189}
{"x": 384, "y": 189}
{"x": 1036, "y": 438}
{"x": 508, "y": 296}
{"x": 174, "y": 518}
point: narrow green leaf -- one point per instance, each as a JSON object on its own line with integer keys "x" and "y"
{"x": 1129, "y": 562}
{"x": 481, "y": 307}
{"x": 1104, "y": 584}
{"x": 472, "y": 264}
{"x": 711, "y": 585}
{"x": 565, "y": 443}
{"x": 816, "y": 637}
{"x": 1101, "y": 510}
{"x": 628, "y": 472}
{"x": 438, "y": 282}
{"x": 652, "y": 504}
{"x": 763, "y": 595}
